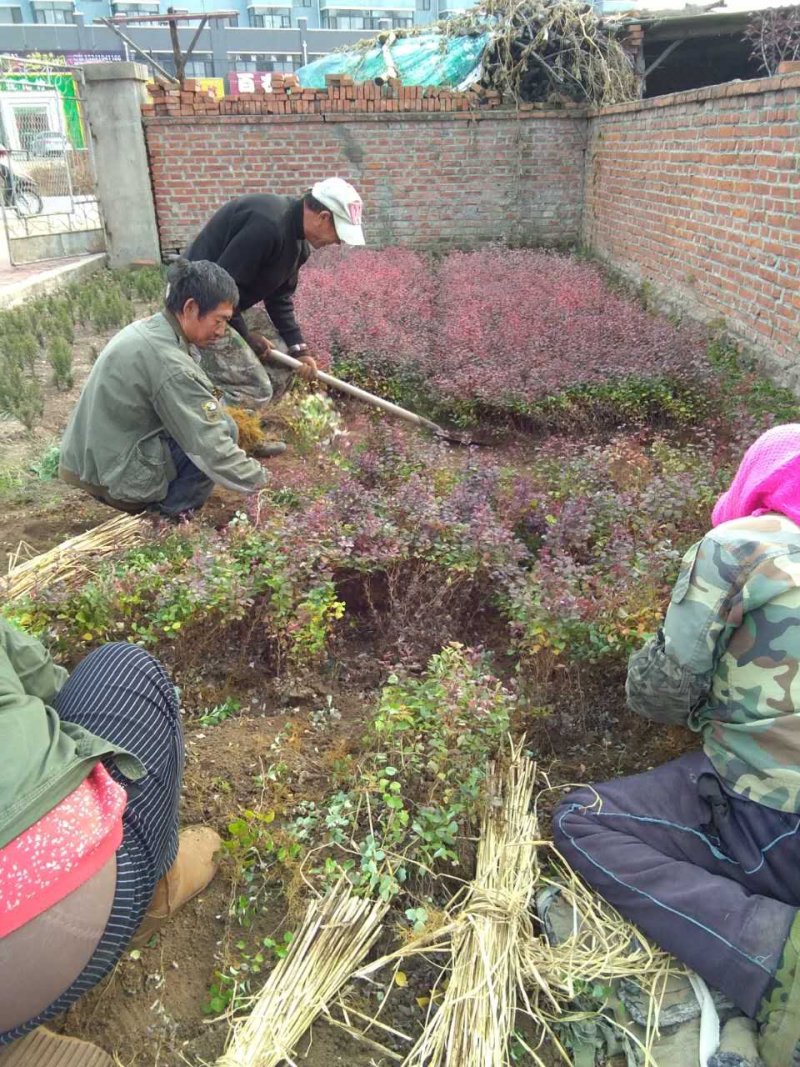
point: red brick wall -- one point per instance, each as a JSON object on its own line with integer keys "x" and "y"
{"x": 698, "y": 193}
{"x": 428, "y": 180}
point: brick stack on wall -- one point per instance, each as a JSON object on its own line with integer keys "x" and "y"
{"x": 699, "y": 194}
{"x": 436, "y": 168}
{"x": 341, "y": 95}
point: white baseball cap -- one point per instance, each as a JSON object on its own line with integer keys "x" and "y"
{"x": 345, "y": 205}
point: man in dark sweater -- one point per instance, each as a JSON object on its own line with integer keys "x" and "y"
{"x": 262, "y": 240}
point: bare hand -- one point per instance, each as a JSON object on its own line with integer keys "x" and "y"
{"x": 308, "y": 368}
{"x": 259, "y": 344}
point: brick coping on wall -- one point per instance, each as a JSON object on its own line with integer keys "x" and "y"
{"x": 384, "y": 117}
{"x": 749, "y": 87}
{"x": 342, "y": 101}
{"x": 341, "y": 96}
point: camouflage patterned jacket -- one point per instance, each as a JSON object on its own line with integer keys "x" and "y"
{"x": 726, "y": 661}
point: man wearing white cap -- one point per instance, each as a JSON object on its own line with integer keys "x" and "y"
{"x": 262, "y": 240}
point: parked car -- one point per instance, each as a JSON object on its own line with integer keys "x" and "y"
{"x": 49, "y": 143}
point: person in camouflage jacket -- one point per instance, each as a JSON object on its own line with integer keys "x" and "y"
{"x": 703, "y": 853}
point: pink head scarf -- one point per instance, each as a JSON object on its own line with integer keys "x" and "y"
{"x": 768, "y": 478}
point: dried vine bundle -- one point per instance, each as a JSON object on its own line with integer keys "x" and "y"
{"x": 72, "y": 561}
{"x": 538, "y": 51}
{"x": 337, "y": 933}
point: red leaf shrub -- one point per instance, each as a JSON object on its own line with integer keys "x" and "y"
{"x": 373, "y": 307}
{"x": 520, "y": 325}
{"x": 496, "y": 327}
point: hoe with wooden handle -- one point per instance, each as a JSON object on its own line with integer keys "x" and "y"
{"x": 377, "y": 401}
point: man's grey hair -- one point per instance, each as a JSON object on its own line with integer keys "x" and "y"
{"x": 208, "y": 284}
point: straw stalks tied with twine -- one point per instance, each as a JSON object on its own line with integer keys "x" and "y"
{"x": 499, "y": 964}
{"x": 71, "y": 562}
{"x": 337, "y": 933}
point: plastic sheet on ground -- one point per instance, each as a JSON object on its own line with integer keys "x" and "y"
{"x": 427, "y": 59}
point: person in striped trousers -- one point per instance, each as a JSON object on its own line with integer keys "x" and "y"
{"x": 91, "y": 860}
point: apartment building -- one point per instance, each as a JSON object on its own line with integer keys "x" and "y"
{"x": 257, "y": 37}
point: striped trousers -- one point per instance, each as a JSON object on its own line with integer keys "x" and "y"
{"x": 122, "y": 694}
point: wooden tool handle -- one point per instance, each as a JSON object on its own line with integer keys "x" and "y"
{"x": 359, "y": 394}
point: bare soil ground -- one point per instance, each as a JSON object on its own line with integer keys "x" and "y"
{"x": 149, "y": 1011}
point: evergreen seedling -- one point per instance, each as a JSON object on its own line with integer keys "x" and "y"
{"x": 60, "y": 355}
{"x": 20, "y": 395}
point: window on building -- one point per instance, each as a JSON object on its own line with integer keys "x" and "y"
{"x": 10, "y": 14}
{"x": 425, "y": 5}
{"x": 264, "y": 64}
{"x": 270, "y": 18}
{"x": 334, "y": 19}
{"x": 53, "y": 13}
{"x": 136, "y": 9}
{"x": 197, "y": 66}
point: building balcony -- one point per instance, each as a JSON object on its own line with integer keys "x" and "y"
{"x": 367, "y": 5}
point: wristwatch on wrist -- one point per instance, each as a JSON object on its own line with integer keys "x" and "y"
{"x": 298, "y": 350}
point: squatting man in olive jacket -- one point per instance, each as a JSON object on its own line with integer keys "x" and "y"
{"x": 148, "y": 432}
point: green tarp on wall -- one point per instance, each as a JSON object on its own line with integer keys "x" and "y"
{"x": 427, "y": 59}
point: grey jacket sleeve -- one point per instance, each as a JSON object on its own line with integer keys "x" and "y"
{"x": 194, "y": 418}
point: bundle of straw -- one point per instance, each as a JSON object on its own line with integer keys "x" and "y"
{"x": 71, "y": 561}
{"x": 499, "y": 964}
{"x": 476, "y": 1017}
{"x": 337, "y": 933}
{"x": 602, "y": 947}
{"x": 248, "y": 423}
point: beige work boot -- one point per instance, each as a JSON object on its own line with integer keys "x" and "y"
{"x": 193, "y": 869}
{"x": 42, "y": 1048}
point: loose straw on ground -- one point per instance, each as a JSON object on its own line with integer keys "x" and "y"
{"x": 499, "y": 963}
{"x": 337, "y": 933}
{"x": 70, "y": 562}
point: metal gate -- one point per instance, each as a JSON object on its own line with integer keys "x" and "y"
{"x": 49, "y": 203}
